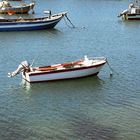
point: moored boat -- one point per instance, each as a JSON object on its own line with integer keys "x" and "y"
{"x": 7, "y": 8}
{"x": 132, "y": 13}
{"x": 21, "y": 24}
{"x": 76, "y": 69}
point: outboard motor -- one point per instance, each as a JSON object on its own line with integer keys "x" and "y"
{"x": 123, "y": 13}
{"x": 131, "y": 5}
{"x": 24, "y": 66}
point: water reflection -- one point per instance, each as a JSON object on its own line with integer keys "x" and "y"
{"x": 94, "y": 83}
{"x": 129, "y": 23}
{"x": 25, "y": 85}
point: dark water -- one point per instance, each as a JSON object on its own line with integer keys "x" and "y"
{"x": 93, "y": 108}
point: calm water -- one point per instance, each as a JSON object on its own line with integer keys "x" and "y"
{"x": 94, "y": 108}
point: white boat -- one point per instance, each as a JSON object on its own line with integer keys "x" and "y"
{"x": 132, "y": 13}
{"x": 76, "y": 69}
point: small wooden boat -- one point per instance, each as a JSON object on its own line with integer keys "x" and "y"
{"x": 22, "y": 24}
{"x": 132, "y": 13}
{"x": 6, "y": 8}
{"x": 76, "y": 69}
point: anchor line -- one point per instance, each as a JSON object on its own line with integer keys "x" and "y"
{"x": 111, "y": 69}
{"x": 69, "y": 22}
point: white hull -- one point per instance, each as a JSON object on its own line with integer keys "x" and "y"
{"x": 133, "y": 17}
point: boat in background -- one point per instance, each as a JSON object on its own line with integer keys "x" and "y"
{"x": 7, "y": 8}
{"x": 26, "y": 24}
{"x": 76, "y": 69}
{"x": 132, "y": 13}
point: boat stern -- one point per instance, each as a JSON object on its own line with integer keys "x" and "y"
{"x": 25, "y": 76}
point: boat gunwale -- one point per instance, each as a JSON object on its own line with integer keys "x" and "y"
{"x": 32, "y": 20}
{"x": 35, "y": 73}
{"x": 29, "y": 22}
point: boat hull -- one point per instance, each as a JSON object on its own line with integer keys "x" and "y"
{"x": 132, "y": 17}
{"x": 24, "y": 26}
{"x": 63, "y": 74}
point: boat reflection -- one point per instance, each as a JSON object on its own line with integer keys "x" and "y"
{"x": 64, "y": 86}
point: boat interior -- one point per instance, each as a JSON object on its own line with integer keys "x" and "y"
{"x": 70, "y": 65}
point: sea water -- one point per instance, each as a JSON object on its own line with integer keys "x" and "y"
{"x": 93, "y": 108}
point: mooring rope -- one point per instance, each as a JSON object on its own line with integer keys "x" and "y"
{"x": 111, "y": 69}
{"x": 69, "y": 22}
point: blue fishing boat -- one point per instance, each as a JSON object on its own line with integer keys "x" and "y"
{"x": 24, "y": 24}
